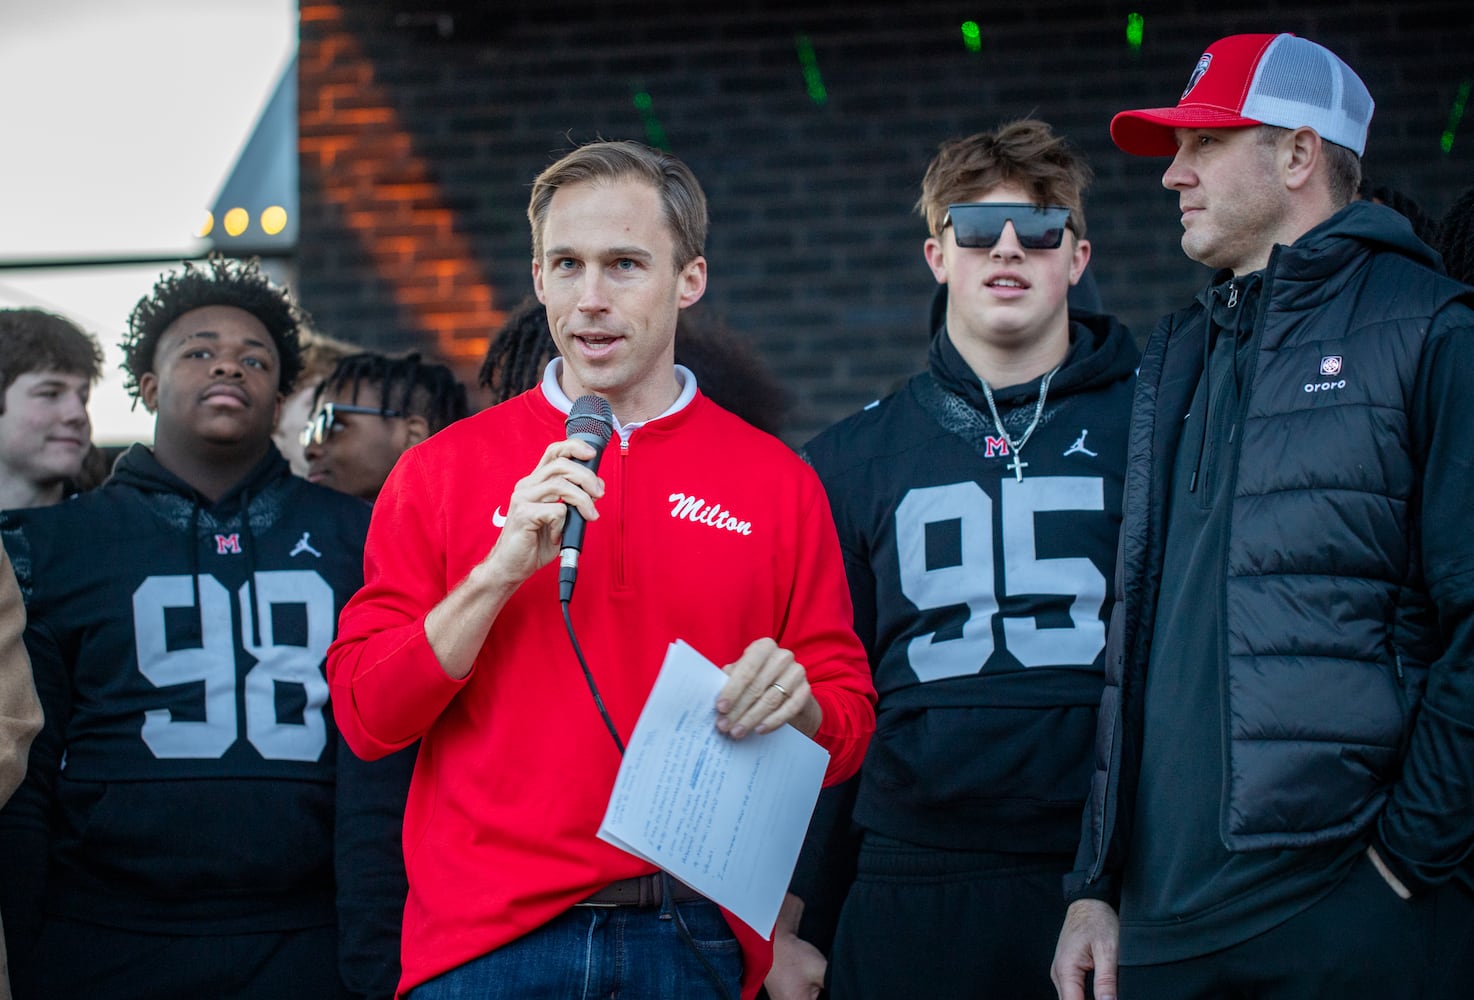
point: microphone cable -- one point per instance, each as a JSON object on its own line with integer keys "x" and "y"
{"x": 591, "y": 421}
{"x": 588, "y": 676}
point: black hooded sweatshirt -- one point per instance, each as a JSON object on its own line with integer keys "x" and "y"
{"x": 981, "y": 599}
{"x": 184, "y": 780}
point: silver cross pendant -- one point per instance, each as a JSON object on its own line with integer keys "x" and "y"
{"x": 1018, "y": 466}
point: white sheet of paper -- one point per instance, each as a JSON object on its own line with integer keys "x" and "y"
{"x": 725, "y": 816}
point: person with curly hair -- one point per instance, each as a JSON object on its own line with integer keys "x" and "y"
{"x": 1425, "y": 226}
{"x": 48, "y": 366}
{"x": 1456, "y": 238}
{"x": 219, "y": 282}
{"x": 174, "y": 836}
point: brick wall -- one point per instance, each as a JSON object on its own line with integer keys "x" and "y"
{"x": 424, "y": 123}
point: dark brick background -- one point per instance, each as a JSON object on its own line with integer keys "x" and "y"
{"x": 423, "y": 125}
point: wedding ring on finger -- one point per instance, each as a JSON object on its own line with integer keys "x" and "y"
{"x": 782, "y": 691}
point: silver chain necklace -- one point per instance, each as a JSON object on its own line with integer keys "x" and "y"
{"x": 1014, "y": 447}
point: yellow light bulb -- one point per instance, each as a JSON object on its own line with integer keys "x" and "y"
{"x": 273, "y": 220}
{"x": 236, "y": 221}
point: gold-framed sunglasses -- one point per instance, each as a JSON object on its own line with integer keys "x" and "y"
{"x": 325, "y": 421}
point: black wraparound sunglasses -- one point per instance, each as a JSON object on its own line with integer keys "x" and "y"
{"x": 978, "y": 225}
{"x": 324, "y": 422}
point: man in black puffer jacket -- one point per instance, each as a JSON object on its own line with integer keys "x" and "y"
{"x": 1284, "y": 797}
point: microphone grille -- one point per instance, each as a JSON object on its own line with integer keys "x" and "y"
{"x": 591, "y": 417}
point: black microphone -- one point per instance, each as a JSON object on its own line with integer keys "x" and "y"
{"x": 592, "y": 421}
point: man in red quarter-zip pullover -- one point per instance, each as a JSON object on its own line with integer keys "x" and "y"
{"x": 700, "y": 528}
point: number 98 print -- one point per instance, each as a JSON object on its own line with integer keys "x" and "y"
{"x": 214, "y": 664}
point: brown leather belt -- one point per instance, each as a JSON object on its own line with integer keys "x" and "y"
{"x": 643, "y": 891}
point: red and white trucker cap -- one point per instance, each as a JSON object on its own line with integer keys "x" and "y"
{"x": 1247, "y": 80}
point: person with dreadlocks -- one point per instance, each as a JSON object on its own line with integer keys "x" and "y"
{"x": 518, "y": 352}
{"x": 370, "y": 410}
{"x": 179, "y": 616}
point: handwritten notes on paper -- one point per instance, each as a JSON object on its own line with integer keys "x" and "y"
{"x": 727, "y": 817}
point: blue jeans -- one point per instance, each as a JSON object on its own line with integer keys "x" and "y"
{"x": 589, "y": 952}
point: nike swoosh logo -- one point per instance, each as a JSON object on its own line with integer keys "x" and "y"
{"x": 498, "y": 518}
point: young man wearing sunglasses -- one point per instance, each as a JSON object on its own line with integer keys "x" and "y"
{"x": 1284, "y": 802}
{"x": 174, "y": 834}
{"x": 978, "y": 510}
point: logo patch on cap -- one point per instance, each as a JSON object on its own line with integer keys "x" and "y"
{"x": 1330, "y": 365}
{"x": 1198, "y": 71}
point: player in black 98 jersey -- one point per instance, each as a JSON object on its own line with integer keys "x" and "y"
{"x": 978, "y": 510}
{"x": 174, "y": 835}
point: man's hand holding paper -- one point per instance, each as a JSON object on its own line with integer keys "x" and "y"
{"x": 765, "y": 689}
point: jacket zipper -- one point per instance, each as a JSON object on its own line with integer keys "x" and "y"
{"x": 1109, "y": 821}
{"x": 621, "y": 576}
{"x": 1232, "y": 454}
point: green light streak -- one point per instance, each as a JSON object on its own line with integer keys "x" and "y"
{"x": 1135, "y": 28}
{"x": 1456, "y": 115}
{"x": 654, "y": 131}
{"x": 810, "y": 65}
{"x": 972, "y": 36}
